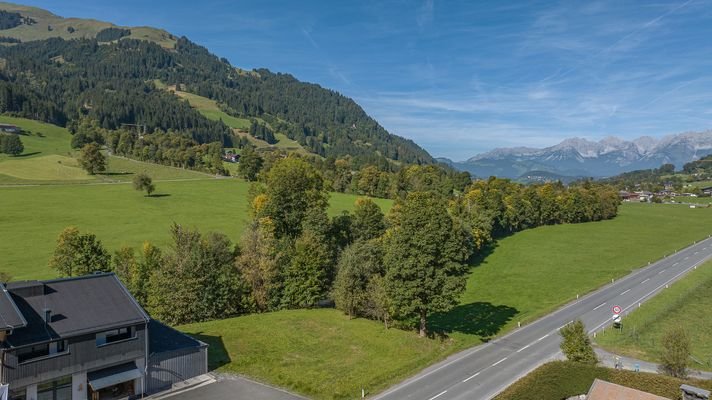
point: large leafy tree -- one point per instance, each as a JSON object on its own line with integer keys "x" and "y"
{"x": 676, "y": 352}
{"x": 11, "y": 144}
{"x": 358, "y": 265}
{"x": 250, "y": 164}
{"x": 79, "y": 254}
{"x": 143, "y": 182}
{"x": 258, "y": 263}
{"x": 307, "y": 277}
{"x": 293, "y": 189}
{"x": 91, "y": 159}
{"x": 197, "y": 281}
{"x": 425, "y": 258}
{"x": 368, "y": 221}
{"x": 576, "y": 345}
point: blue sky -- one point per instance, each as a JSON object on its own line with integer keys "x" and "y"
{"x": 463, "y": 77}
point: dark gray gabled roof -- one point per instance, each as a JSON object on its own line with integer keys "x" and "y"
{"x": 81, "y": 305}
{"x": 10, "y": 316}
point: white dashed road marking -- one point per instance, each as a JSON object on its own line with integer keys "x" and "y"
{"x": 438, "y": 395}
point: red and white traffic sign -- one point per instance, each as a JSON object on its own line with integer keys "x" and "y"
{"x": 617, "y": 309}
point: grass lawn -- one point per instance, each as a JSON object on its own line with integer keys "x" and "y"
{"x": 39, "y": 138}
{"x": 33, "y": 216}
{"x": 120, "y": 169}
{"x": 49, "y": 159}
{"x": 694, "y": 200}
{"x": 319, "y": 353}
{"x": 562, "y": 379}
{"x": 533, "y": 272}
{"x": 683, "y": 304}
{"x": 524, "y": 277}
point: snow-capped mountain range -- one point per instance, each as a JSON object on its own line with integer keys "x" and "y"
{"x": 581, "y": 157}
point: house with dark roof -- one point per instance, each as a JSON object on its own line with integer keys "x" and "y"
{"x": 8, "y": 128}
{"x": 87, "y": 338}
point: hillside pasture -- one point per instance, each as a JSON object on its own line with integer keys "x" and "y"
{"x": 120, "y": 216}
{"x": 210, "y": 109}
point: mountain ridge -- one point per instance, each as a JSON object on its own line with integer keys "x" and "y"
{"x": 578, "y": 156}
{"x": 42, "y": 77}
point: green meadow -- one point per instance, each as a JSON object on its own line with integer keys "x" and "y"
{"x": 33, "y": 216}
{"x": 519, "y": 279}
{"x": 522, "y": 278}
{"x": 211, "y": 110}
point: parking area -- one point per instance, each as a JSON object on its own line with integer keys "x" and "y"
{"x": 234, "y": 388}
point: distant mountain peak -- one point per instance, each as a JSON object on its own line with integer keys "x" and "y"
{"x": 579, "y": 156}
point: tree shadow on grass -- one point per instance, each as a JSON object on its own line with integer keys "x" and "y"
{"x": 107, "y": 173}
{"x": 481, "y": 318}
{"x": 480, "y": 258}
{"x": 217, "y": 353}
{"x": 159, "y": 195}
{"x": 28, "y": 154}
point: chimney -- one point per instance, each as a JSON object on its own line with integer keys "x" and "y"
{"x": 47, "y": 315}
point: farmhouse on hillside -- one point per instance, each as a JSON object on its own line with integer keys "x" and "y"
{"x": 7, "y": 128}
{"x": 88, "y": 338}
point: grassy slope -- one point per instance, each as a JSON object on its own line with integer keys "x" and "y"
{"x": 527, "y": 275}
{"x": 678, "y": 306}
{"x": 47, "y": 156}
{"x": 533, "y": 272}
{"x": 118, "y": 215}
{"x": 211, "y": 110}
{"x": 560, "y": 380}
{"x": 48, "y": 159}
{"x": 320, "y": 353}
{"x": 83, "y": 28}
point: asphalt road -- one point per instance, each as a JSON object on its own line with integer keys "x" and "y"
{"x": 484, "y": 371}
{"x": 233, "y": 388}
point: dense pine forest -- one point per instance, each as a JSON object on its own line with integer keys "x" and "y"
{"x": 59, "y": 81}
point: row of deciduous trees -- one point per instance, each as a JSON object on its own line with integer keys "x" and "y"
{"x": 400, "y": 267}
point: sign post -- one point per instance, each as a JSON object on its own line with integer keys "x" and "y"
{"x": 617, "y": 317}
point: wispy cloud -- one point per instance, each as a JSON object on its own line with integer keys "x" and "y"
{"x": 425, "y": 14}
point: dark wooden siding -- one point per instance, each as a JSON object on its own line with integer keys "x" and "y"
{"x": 170, "y": 367}
{"x": 83, "y": 355}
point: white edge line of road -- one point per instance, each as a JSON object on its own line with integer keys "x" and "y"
{"x": 645, "y": 297}
{"x": 468, "y": 352}
{"x": 525, "y": 373}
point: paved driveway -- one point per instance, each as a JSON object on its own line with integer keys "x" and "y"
{"x": 234, "y": 388}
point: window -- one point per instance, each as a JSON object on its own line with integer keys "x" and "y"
{"x": 41, "y": 350}
{"x": 115, "y": 335}
{"x": 32, "y": 352}
{"x": 18, "y": 394}
{"x": 59, "y": 389}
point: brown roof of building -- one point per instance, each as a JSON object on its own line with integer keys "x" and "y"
{"x": 602, "y": 390}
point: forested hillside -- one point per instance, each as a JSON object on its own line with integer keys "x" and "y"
{"x": 59, "y": 81}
